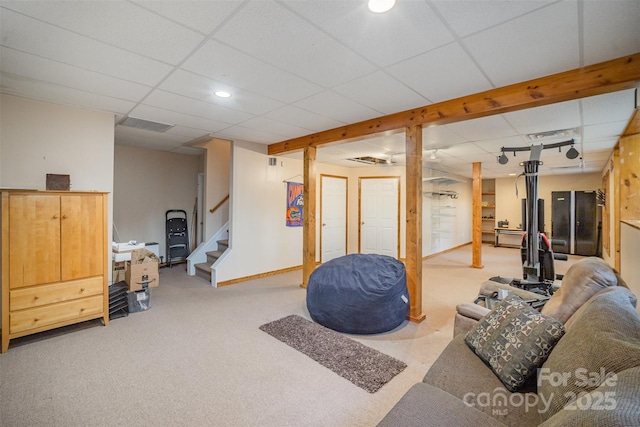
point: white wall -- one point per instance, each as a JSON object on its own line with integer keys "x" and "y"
{"x": 37, "y": 138}
{"x": 217, "y": 175}
{"x": 147, "y": 183}
{"x": 508, "y": 204}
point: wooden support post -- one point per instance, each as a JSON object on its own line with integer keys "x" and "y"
{"x": 477, "y": 216}
{"x": 414, "y": 221}
{"x": 309, "y": 215}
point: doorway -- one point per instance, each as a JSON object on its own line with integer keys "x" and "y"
{"x": 333, "y": 217}
{"x": 379, "y": 216}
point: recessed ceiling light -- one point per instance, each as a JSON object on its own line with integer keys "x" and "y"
{"x": 222, "y": 94}
{"x": 380, "y": 6}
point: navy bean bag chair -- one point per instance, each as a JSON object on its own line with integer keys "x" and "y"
{"x": 359, "y": 294}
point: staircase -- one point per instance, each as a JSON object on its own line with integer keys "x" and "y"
{"x": 203, "y": 269}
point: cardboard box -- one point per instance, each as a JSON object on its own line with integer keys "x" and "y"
{"x": 142, "y": 270}
{"x": 118, "y": 271}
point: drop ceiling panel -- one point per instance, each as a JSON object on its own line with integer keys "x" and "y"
{"x": 485, "y": 128}
{"x": 179, "y": 119}
{"x": 439, "y": 137}
{"x": 602, "y": 145}
{"x": 610, "y": 29}
{"x": 117, "y": 23}
{"x": 44, "y": 91}
{"x": 470, "y": 16}
{"x": 337, "y": 107}
{"x": 543, "y": 42}
{"x": 609, "y": 107}
{"x": 170, "y": 101}
{"x": 306, "y": 119}
{"x": 187, "y": 132}
{"x": 203, "y": 16}
{"x": 494, "y": 146}
{"x": 603, "y": 131}
{"x": 426, "y": 74}
{"x": 162, "y": 139}
{"x": 293, "y": 44}
{"x": 411, "y": 29}
{"x": 38, "y": 38}
{"x": 246, "y": 134}
{"x": 381, "y": 93}
{"x": 283, "y": 130}
{"x": 226, "y": 64}
{"x": 552, "y": 117}
{"x": 45, "y": 70}
{"x": 195, "y": 86}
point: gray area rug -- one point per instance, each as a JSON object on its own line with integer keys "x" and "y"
{"x": 365, "y": 367}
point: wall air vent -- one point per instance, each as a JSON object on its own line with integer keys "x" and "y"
{"x": 369, "y": 160}
{"x": 552, "y": 135}
{"x": 134, "y": 122}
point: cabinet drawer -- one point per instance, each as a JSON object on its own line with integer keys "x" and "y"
{"x": 36, "y": 296}
{"x": 51, "y": 314}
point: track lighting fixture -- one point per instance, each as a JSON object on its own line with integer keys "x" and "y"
{"x": 503, "y": 159}
{"x": 572, "y": 153}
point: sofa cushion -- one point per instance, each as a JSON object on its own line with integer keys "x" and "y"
{"x": 584, "y": 279}
{"x": 604, "y": 340}
{"x": 515, "y": 340}
{"x": 459, "y": 372}
{"x": 614, "y": 403}
{"x": 426, "y": 405}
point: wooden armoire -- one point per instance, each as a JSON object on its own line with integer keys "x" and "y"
{"x": 54, "y": 260}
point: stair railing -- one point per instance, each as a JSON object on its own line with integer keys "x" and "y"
{"x": 216, "y": 207}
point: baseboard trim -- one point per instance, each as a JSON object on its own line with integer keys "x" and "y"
{"x": 258, "y": 276}
{"x": 445, "y": 251}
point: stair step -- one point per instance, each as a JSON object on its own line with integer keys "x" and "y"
{"x": 212, "y": 256}
{"x": 223, "y": 244}
{"x": 203, "y": 270}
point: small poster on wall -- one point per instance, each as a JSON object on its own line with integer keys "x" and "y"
{"x": 294, "y": 204}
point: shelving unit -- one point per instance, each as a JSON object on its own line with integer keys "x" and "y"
{"x": 442, "y": 210}
{"x": 488, "y": 210}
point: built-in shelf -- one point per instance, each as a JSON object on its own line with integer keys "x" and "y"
{"x": 445, "y": 180}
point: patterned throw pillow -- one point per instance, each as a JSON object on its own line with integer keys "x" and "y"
{"x": 514, "y": 340}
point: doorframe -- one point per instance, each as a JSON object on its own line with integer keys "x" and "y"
{"x": 397, "y": 178}
{"x": 346, "y": 206}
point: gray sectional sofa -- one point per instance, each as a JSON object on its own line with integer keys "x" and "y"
{"x": 591, "y": 375}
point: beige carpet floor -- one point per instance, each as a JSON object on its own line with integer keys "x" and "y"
{"x": 197, "y": 357}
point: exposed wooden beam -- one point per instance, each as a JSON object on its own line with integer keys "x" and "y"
{"x": 414, "y": 221}
{"x": 610, "y": 76}
{"x": 309, "y": 215}
{"x": 476, "y": 190}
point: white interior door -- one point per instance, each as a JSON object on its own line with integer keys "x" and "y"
{"x": 333, "y": 217}
{"x": 379, "y": 216}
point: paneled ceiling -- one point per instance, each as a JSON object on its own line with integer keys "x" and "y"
{"x": 298, "y": 67}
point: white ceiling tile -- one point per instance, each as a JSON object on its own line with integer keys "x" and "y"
{"x": 492, "y": 127}
{"x": 410, "y": 29}
{"x": 541, "y": 43}
{"x": 37, "y": 38}
{"x": 298, "y": 117}
{"x": 125, "y": 135}
{"x": 382, "y": 93}
{"x": 239, "y": 132}
{"x": 337, "y": 107}
{"x": 228, "y": 65}
{"x": 45, "y": 70}
{"x": 283, "y": 39}
{"x": 603, "y": 131}
{"x": 284, "y": 131}
{"x": 469, "y": 16}
{"x": 610, "y": 29}
{"x": 188, "y": 132}
{"x": 609, "y": 107}
{"x": 552, "y": 117}
{"x": 195, "y": 86}
{"x": 118, "y": 23}
{"x": 602, "y": 145}
{"x": 427, "y": 74}
{"x": 179, "y": 119}
{"x": 194, "y": 107}
{"x": 494, "y": 146}
{"x": 203, "y": 16}
{"x": 45, "y": 91}
{"x": 438, "y": 137}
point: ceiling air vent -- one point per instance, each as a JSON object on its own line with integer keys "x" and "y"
{"x": 370, "y": 160}
{"x": 554, "y": 134}
{"x": 134, "y": 122}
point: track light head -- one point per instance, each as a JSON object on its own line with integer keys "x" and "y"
{"x": 572, "y": 153}
{"x": 503, "y": 159}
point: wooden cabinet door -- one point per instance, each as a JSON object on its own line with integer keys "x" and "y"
{"x": 34, "y": 235}
{"x": 81, "y": 236}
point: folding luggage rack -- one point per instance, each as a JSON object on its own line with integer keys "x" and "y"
{"x": 177, "y": 235}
